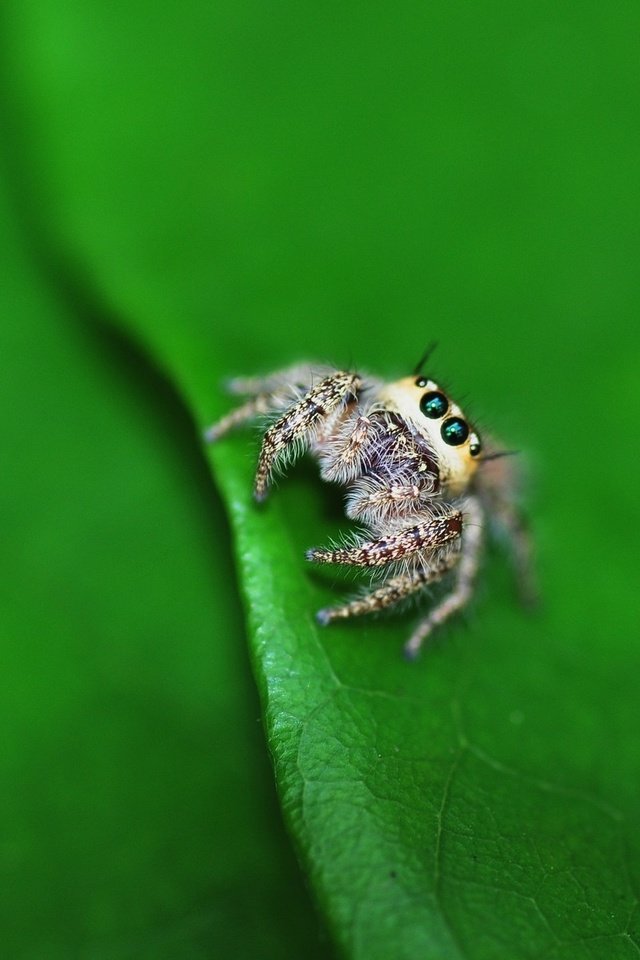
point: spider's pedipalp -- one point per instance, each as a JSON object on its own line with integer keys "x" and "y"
{"x": 379, "y": 504}
{"x": 341, "y": 454}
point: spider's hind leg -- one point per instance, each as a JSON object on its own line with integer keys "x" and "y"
{"x": 462, "y": 590}
{"x": 498, "y": 487}
{"x": 390, "y": 593}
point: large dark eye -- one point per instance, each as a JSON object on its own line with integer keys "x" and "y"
{"x": 454, "y": 431}
{"x": 434, "y": 405}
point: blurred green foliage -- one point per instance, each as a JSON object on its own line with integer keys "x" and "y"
{"x": 235, "y": 187}
{"x": 138, "y": 815}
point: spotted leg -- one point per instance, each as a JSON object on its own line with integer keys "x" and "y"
{"x": 427, "y": 534}
{"x": 288, "y": 435}
{"x": 267, "y": 394}
{"x": 463, "y": 586}
{"x": 393, "y": 591}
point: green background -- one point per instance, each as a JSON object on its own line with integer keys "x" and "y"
{"x": 197, "y": 190}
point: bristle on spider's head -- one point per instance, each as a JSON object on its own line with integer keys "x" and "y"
{"x": 497, "y": 455}
{"x": 425, "y": 356}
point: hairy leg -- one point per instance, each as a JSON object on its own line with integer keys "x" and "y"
{"x": 499, "y": 481}
{"x": 288, "y": 435}
{"x": 267, "y": 394}
{"x": 463, "y": 586}
{"x": 514, "y": 524}
{"x": 248, "y": 411}
{"x": 341, "y": 458}
{"x": 273, "y": 393}
{"x": 301, "y": 376}
{"x": 377, "y": 504}
{"x": 390, "y": 593}
{"x": 434, "y": 532}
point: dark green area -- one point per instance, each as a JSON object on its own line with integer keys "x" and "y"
{"x": 137, "y": 807}
{"x": 236, "y": 186}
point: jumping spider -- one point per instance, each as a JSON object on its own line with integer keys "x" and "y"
{"x": 410, "y": 463}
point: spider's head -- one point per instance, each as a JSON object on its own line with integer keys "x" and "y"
{"x": 433, "y": 415}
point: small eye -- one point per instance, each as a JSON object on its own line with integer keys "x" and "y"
{"x": 454, "y": 431}
{"x": 434, "y": 405}
{"x": 475, "y": 447}
{"x": 421, "y": 382}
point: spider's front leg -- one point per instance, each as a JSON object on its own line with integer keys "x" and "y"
{"x": 291, "y": 432}
{"x": 267, "y": 394}
{"x": 288, "y": 436}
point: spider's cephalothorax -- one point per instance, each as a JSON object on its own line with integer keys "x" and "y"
{"x": 416, "y": 480}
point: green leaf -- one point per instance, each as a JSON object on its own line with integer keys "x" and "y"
{"x": 245, "y": 186}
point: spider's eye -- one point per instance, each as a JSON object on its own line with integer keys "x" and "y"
{"x": 475, "y": 447}
{"x": 454, "y": 431}
{"x": 421, "y": 382}
{"x": 434, "y": 405}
